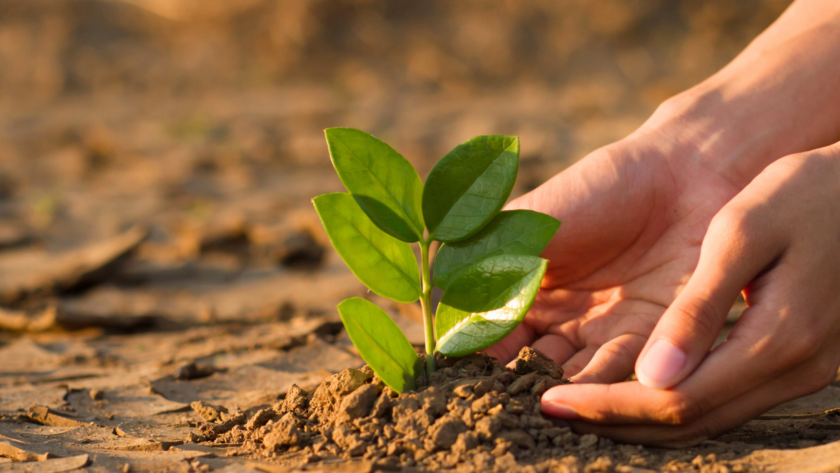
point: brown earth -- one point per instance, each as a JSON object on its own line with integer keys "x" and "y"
{"x": 164, "y": 281}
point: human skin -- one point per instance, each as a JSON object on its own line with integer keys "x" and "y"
{"x": 730, "y": 186}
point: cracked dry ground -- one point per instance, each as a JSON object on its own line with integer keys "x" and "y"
{"x": 105, "y": 370}
{"x": 165, "y": 282}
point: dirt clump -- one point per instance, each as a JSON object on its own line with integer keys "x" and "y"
{"x": 208, "y": 412}
{"x": 471, "y": 413}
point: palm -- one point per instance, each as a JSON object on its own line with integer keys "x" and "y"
{"x": 631, "y": 237}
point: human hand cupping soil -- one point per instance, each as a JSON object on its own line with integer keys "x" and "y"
{"x": 635, "y": 216}
{"x": 635, "y": 221}
{"x": 778, "y": 239}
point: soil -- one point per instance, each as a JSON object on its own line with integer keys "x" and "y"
{"x": 167, "y": 294}
{"x": 473, "y": 413}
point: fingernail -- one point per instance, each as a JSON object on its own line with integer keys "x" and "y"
{"x": 562, "y": 411}
{"x": 660, "y": 365}
{"x": 552, "y": 405}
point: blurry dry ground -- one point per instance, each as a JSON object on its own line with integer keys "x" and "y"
{"x": 157, "y": 158}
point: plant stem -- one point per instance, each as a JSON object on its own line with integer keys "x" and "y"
{"x": 426, "y": 304}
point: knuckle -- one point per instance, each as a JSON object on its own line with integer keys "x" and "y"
{"x": 731, "y": 226}
{"x": 618, "y": 351}
{"x": 681, "y": 410}
{"x": 802, "y": 348}
{"x": 699, "y": 315}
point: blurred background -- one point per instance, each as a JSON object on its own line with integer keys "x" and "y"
{"x": 200, "y": 121}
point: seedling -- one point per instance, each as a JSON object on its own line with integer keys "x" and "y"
{"x": 488, "y": 262}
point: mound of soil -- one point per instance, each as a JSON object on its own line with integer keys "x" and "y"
{"x": 473, "y": 413}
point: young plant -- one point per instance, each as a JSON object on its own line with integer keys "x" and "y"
{"x": 488, "y": 262}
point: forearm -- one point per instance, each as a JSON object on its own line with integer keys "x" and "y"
{"x": 780, "y": 96}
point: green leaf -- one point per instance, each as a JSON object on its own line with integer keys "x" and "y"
{"x": 469, "y": 185}
{"x": 513, "y": 232}
{"x": 486, "y": 302}
{"x": 384, "y": 264}
{"x": 384, "y": 183}
{"x": 381, "y": 343}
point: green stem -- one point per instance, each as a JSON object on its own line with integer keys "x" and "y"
{"x": 426, "y": 304}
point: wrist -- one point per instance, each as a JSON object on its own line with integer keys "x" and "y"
{"x": 737, "y": 130}
{"x": 780, "y": 96}
{"x": 697, "y": 129}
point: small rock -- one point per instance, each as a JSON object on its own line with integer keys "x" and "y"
{"x": 483, "y": 462}
{"x": 208, "y": 412}
{"x": 97, "y": 395}
{"x": 382, "y": 406}
{"x": 463, "y": 391}
{"x": 368, "y": 371}
{"x": 467, "y": 417}
{"x": 295, "y": 400}
{"x": 588, "y": 440}
{"x": 466, "y": 442}
{"x": 533, "y": 361}
{"x": 552, "y": 432}
{"x": 601, "y": 464}
{"x": 330, "y": 392}
{"x": 259, "y": 419}
{"x": 433, "y": 400}
{"x": 349, "y": 441}
{"x": 414, "y": 425}
{"x": 378, "y": 383}
{"x": 502, "y": 447}
{"x": 484, "y": 404}
{"x": 356, "y": 404}
{"x": 347, "y": 381}
{"x": 488, "y": 427}
{"x": 483, "y": 387}
{"x": 444, "y": 433}
{"x": 495, "y": 410}
{"x": 194, "y": 371}
{"x": 229, "y": 423}
{"x": 283, "y": 433}
{"x": 508, "y": 420}
{"x": 540, "y": 386}
{"x": 518, "y": 437}
{"x": 506, "y": 462}
{"x": 522, "y": 384}
{"x": 404, "y": 408}
{"x": 534, "y": 421}
{"x": 300, "y": 250}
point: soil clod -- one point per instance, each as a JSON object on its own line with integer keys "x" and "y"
{"x": 475, "y": 411}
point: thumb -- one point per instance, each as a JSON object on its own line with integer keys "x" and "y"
{"x": 734, "y": 252}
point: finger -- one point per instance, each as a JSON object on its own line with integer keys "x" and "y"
{"x": 736, "y": 366}
{"x": 734, "y": 252}
{"x": 614, "y": 360}
{"x": 797, "y": 382}
{"x": 556, "y": 347}
{"x": 507, "y": 349}
{"x": 578, "y": 361}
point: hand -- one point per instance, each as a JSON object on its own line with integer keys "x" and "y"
{"x": 779, "y": 239}
{"x": 635, "y": 214}
{"x": 636, "y": 211}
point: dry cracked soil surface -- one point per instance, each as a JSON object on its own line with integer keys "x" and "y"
{"x": 167, "y": 295}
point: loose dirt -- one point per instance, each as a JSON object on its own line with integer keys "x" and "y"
{"x": 473, "y": 414}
